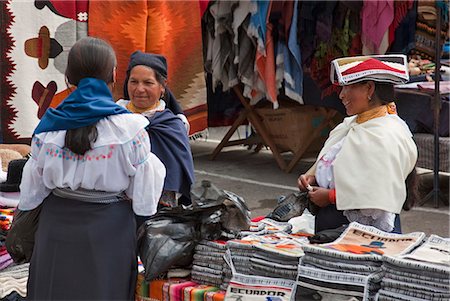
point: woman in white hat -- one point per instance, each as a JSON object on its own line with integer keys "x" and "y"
{"x": 361, "y": 173}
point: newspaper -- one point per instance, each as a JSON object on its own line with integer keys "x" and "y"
{"x": 435, "y": 250}
{"x": 360, "y": 242}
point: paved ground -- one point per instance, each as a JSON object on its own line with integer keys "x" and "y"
{"x": 257, "y": 178}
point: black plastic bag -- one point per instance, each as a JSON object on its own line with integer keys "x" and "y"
{"x": 168, "y": 238}
{"x": 20, "y": 237}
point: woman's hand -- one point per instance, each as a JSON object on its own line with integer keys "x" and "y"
{"x": 320, "y": 196}
{"x": 304, "y": 181}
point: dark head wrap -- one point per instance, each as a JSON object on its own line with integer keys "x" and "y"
{"x": 155, "y": 61}
{"x": 158, "y": 63}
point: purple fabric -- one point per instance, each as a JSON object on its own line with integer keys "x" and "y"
{"x": 376, "y": 17}
{"x": 6, "y": 263}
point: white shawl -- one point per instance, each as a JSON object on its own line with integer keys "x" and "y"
{"x": 372, "y": 166}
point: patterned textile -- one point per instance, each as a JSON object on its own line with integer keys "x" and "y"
{"x": 170, "y": 28}
{"x": 425, "y": 37}
{"x": 34, "y": 55}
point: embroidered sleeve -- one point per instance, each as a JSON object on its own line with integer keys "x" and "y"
{"x": 32, "y": 188}
{"x": 147, "y": 176}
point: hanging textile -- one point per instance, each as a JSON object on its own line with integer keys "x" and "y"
{"x": 403, "y": 28}
{"x": 337, "y": 34}
{"x": 170, "y": 28}
{"x": 36, "y": 37}
{"x": 288, "y": 59}
{"x": 425, "y": 38}
{"x": 376, "y": 18}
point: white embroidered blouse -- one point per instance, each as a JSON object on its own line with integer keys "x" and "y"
{"x": 120, "y": 160}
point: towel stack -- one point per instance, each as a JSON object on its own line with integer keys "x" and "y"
{"x": 351, "y": 265}
{"x": 423, "y": 274}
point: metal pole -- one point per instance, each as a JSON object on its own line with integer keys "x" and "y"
{"x": 437, "y": 106}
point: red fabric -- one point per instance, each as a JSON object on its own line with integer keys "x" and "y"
{"x": 401, "y": 8}
{"x": 265, "y": 62}
{"x": 70, "y": 8}
{"x": 332, "y": 196}
{"x": 203, "y": 6}
{"x": 371, "y": 64}
{"x": 258, "y": 218}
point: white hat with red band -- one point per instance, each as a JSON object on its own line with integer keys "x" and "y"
{"x": 389, "y": 68}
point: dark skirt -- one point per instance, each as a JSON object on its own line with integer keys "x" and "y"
{"x": 331, "y": 218}
{"x": 83, "y": 251}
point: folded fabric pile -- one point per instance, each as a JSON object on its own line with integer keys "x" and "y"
{"x": 208, "y": 263}
{"x": 423, "y": 274}
{"x": 352, "y": 264}
{"x": 277, "y": 255}
{"x": 241, "y": 250}
{"x": 197, "y": 292}
{"x": 214, "y": 296}
{"x": 14, "y": 279}
{"x": 274, "y": 255}
{"x": 6, "y": 217}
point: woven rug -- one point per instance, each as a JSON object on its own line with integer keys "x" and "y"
{"x": 37, "y": 35}
{"x": 171, "y": 28}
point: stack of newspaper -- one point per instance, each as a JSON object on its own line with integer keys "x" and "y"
{"x": 271, "y": 255}
{"x": 208, "y": 263}
{"x": 351, "y": 265}
{"x": 277, "y": 255}
{"x": 423, "y": 274}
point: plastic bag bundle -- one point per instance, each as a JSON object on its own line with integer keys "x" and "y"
{"x": 167, "y": 240}
{"x": 20, "y": 238}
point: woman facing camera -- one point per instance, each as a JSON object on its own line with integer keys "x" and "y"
{"x": 361, "y": 172}
{"x": 146, "y": 87}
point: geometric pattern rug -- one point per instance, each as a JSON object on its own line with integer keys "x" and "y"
{"x": 37, "y": 35}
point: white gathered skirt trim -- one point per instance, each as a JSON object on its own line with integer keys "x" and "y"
{"x": 380, "y": 219}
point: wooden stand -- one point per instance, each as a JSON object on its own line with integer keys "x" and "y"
{"x": 248, "y": 113}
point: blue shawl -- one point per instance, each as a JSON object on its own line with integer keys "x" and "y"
{"x": 90, "y": 102}
{"x": 170, "y": 144}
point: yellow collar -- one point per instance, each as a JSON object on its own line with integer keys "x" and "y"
{"x": 376, "y": 112}
{"x": 132, "y": 108}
